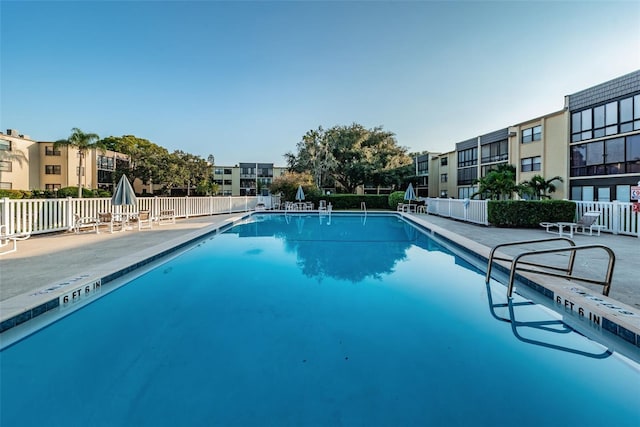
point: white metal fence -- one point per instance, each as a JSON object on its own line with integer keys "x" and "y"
{"x": 616, "y": 217}
{"x": 38, "y": 216}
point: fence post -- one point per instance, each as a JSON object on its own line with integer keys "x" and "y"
{"x": 70, "y": 212}
{"x": 4, "y": 216}
{"x": 615, "y": 220}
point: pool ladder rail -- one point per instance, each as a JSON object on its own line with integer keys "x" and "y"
{"x": 549, "y": 270}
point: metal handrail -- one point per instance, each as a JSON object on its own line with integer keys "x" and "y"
{"x": 493, "y": 257}
{"x": 568, "y": 272}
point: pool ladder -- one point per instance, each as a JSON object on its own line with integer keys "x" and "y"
{"x": 549, "y": 270}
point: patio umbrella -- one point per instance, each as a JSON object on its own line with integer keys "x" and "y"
{"x": 124, "y": 194}
{"x": 300, "y": 194}
{"x": 410, "y": 194}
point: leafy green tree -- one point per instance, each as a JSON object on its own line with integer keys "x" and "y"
{"x": 147, "y": 160}
{"x": 83, "y": 142}
{"x": 288, "y": 184}
{"x": 350, "y": 156}
{"x": 538, "y": 187}
{"x": 498, "y": 184}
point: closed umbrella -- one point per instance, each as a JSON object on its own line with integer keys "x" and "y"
{"x": 124, "y": 194}
{"x": 300, "y": 194}
{"x": 410, "y": 194}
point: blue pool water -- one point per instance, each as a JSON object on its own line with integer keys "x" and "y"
{"x": 302, "y": 320}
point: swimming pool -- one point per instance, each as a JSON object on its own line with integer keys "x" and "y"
{"x": 307, "y": 320}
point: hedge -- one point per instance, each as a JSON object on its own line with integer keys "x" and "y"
{"x": 529, "y": 213}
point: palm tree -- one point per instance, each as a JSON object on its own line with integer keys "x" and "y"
{"x": 498, "y": 183}
{"x": 83, "y": 142}
{"x": 538, "y": 187}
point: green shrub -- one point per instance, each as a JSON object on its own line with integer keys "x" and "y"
{"x": 15, "y": 194}
{"x": 395, "y": 198}
{"x": 73, "y": 192}
{"x": 529, "y": 213}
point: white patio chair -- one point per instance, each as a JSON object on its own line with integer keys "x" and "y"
{"x": 6, "y": 238}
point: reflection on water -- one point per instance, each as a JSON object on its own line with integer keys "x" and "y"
{"x": 371, "y": 247}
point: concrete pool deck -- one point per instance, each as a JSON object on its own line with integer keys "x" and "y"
{"x": 45, "y": 261}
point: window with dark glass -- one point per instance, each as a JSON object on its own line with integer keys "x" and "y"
{"x": 532, "y": 134}
{"x": 49, "y": 151}
{"x": 423, "y": 167}
{"x": 530, "y": 164}
{"x": 633, "y": 154}
{"x": 53, "y": 169}
{"x": 468, "y": 157}
{"x": 227, "y": 171}
{"x": 444, "y": 161}
{"x": 443, "y": 177}
{"x": 467, "y": 175}
{"x": 495, "y": 152}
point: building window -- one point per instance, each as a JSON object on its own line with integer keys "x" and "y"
{"x": 79, "y": 172}
{"x": 468, "y": 157}
{"x": 52, "y": 186}
{"x": 53, "y": 169}
{"x": 444, "y": 177}
{"x": 444, "y": 161}
{"x": 495, "y": 152}
{"x": 49, "y": 151}
{"x": 105, "y": 162}
{"x": 606, "y": 157}
{"x": 633, "y": 154}
{"x": 466, "y": 176}
{"x": 227, "y": 171}
{"x": 217, "y": 171}
{"x": 530, "y": 164}
{"x": 423, "y": 167}
{"x": 6, "y": 167}
{"x": 532, "y": 134}
{"x": 606, "y": 120}
{"x": 5, "y": 186}
{"x": 5, "y": 145}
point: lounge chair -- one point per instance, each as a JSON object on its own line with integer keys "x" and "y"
{"x": 6, "y": 238}
{"x": 85, "y": 224}
{"x": 111, "y": 221}
{"x": 144, "y": 220}
{"x": 587, "y": 221}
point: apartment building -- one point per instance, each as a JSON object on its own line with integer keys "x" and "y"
{"x": 604, "y": 140}
{"x": 18, "y": 154}
{"x": 60, "y": 167}
{"x": 443, "y": 175}
{"x": 539, "y": 147}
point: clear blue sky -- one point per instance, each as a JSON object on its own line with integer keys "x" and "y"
{"x": 245, "y": 80}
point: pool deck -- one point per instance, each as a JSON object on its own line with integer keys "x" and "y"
{"x": 35, "y": 272}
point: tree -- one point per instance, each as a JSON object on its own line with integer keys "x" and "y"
{"x": 83, "y": 142}
{"x": 146, "y": 158}
{"x": 288, "y": 184}
{"x": 498, "y": 183}
{"x": 349, "y": 155}
{"x": 538, "y": 187}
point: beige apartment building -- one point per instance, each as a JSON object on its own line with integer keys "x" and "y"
{"x": 18, "y": 153}
{"x": 539, "y": 147}
{"x": 443, "y": 175}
